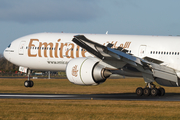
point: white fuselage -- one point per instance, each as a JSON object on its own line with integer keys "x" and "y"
{"x": 52, "y": 51}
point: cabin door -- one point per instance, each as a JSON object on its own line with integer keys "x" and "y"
{"x": 142, "y": 51}
{"x": 21, "y": 48}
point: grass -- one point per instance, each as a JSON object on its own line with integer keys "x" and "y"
{"x": 31, "y": 109}
{"x": 63, "y": 86}
{"x": 87, "y": 109}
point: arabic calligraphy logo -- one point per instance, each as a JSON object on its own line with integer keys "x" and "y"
{"x": 74, "y": 71}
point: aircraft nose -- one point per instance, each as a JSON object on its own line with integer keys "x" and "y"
{"x": 9, "y": 52}
{"x": 5, "y": 54}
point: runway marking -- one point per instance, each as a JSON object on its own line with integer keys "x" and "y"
{"x": 37, "y": 96}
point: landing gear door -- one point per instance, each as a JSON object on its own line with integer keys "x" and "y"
{"x": 142, "y": 51}
{"x": 21, "y": 48}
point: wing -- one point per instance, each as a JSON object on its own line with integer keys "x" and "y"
{"x": 151, "y": 71}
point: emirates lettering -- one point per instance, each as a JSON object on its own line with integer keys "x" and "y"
{"x": 61, "y": 50}
{"x": 126, "y": 45}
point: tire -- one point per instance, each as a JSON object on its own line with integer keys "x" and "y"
{"x": 162, "y": 91}
{"x": 139, "y": 91}
{"x": 154, "y": 91}
{"x": 146, "y": 91}
{"x": 26, "y": 83}
{"x": 31, "y": 83}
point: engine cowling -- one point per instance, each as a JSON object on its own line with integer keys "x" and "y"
{"x": 86, "y": 71}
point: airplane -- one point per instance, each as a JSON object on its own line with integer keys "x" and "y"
{"x": 89, "y": 59}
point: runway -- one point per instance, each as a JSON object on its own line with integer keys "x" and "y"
{"x": 120, "y": 96}
{"x": 32, "y": 77}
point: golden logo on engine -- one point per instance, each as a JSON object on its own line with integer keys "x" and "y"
{"x": 74, "y": 71}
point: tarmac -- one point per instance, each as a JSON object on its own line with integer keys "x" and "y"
{"x": 120, "y": 96}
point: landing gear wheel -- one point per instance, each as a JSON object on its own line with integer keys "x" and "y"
{"x": 146, "y": 91}
{"x": 150, "y": 89}
{"x": 139, "y": 91}
{"x": 162, "y": 91}
{"x": 154, "y": 91}
{"x": 31, "y": 83}
{"x": 28, "y": 83}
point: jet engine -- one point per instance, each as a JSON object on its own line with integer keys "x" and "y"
{"x": 86, "y": 71}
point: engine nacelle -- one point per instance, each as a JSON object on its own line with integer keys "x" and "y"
{"x": 86, "y": 71}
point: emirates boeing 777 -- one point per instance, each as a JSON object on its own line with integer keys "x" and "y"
{"x": 89, "y": 59}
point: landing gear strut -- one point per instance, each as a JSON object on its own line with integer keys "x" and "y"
{"x": 29, "y": 83}
{"x": 150, "y": 89}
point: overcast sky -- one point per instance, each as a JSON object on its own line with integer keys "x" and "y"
{"x": 138, "y": 17}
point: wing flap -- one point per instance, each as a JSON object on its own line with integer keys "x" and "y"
{"x": 153, "y": 60}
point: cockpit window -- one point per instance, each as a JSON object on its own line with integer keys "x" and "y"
{"x": 9, "y": 45}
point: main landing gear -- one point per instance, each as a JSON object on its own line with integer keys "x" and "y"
{"x": 29, "y": 83}
{"x": 150, "y": 89}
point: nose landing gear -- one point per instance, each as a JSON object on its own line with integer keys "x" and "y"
{"x": 29, "y": 83}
